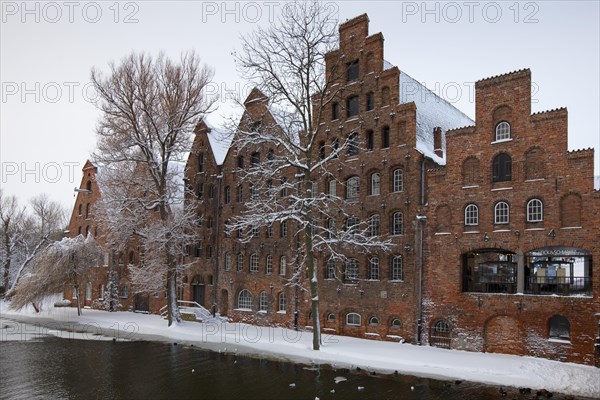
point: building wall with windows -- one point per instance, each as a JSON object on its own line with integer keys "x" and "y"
{"x": 512, "y": 233}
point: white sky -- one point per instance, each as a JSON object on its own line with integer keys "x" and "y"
{"x": 47, "y": 51}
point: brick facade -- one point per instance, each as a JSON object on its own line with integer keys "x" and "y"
{"x": 447, "y": 280}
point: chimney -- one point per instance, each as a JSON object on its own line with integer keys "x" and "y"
{"x": 437, "y": 142}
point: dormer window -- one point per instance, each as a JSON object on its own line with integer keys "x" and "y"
{"x": 352, "y": 71}
{"x": 502, "y": 131}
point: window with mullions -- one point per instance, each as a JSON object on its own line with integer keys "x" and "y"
{"x": 269, "y": 263}
{"x": 281, "y": 303}
{"x": 397, "y": 270}
{"x": 245, "y": 300}
{"x": 351, "y": 272}
{"x": 352, "y": 149}
{"x": 501, "y": 213}
{"x": 397, "y": 180}
{"x": 502, "y": 131}
{"x": 374, "y": 225}
{"x": 375, "y": 184}
{"x": 535, "y": 210}
{"x": 254, "y": 263}
{"x": 353, "y": 319}
{"x": 471, "y": 215}
{"x": 374, "y": 268}
{"x": 440, "y": 334}
{"x": 240, "y": 262}
{"x": 502, "y": 168}
{"x": 330, "y": 269}
{"x": 352, "y": 187}
{"x": 263, "y": 301}
{"x": 397, "y": 223}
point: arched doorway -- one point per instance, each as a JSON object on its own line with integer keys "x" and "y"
{"x": 141, "y": 302}
{"x": 224, "y": 302}
{"x": 198, "y": 290}
{"x": 503, "y": 335}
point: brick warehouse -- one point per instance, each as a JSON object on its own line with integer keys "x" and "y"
{"x": 493, "y": 236}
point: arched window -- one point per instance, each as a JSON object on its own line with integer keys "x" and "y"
{"x": 88, "y": 186}
{"x": 501, "y": 213}
{"x": 398, "y": 180}
{"x": 281, "y": 303}
{"x": 245, "y": 300}
{"x": 370, "y": 140}
{"x": 255, "y": 159}
{"x": 269, "y": 269}
{"x": 241, "y": 162}
{"x": 559, "y": 328}
{"x": 374, "y": 225}
{"x": 330, "y": 317}
{"x": 397, "y": 271}
{"x": 396, "y": 323}
{"x": 240, "y": 262}
{"x": 124, "y": 291}
{"x": 322, "y": 150}
{"x": 80, "y": 209}
{"x": 87, "y": 230}
{"x": 227, "y": 194}
{"x": 331, "y": 228}
{"x": 351, "y": 224}
{"x": 200, "y": 161}
{"x": 440, "y": 334}
{"x": 352, "y": 187}
{"x": 352, "y": 71}
{"x": 254, "y": 262}
{"x": 351, "y": 273}
{"x": 332, "y": 187}
{"x": 470, "y": 171}
{"x": 535, "y": 210}
{"x": 240, "y": 193}
{"x": 471, "y": 215}
{"x": 374, "y": 268}
{"x": 227, "y": 262}
{"x": 87, "y": 210}
{"x": 330, "y": 269}
{"x": 397, "y": 227}
{"x": 502, "y": 131}
{"x": 502, "y": 168}
{"x": 375, "y": 184}
{"x": 373, "y": 321}
{"x": 263, "y": 301}
{"x": 353, "y": 319}
{"x": 282, "y": 265}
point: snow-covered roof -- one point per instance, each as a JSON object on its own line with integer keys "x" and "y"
{"x": 219, "y": 140}
{"x": 432, "y": 111}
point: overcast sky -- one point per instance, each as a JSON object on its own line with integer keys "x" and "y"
{"x": 47, "y": 50}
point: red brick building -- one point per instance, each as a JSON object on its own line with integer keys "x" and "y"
{"x": 493, "y": 231}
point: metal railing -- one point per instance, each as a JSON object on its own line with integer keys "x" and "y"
{"x": 192, "y": 307}
{"x": 559, "y": 285}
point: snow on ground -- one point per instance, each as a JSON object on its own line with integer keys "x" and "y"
{"x": 339, "y": 351}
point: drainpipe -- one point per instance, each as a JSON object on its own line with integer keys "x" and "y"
{"x": 421, "y": 219}
{"x": 217, "y": 228}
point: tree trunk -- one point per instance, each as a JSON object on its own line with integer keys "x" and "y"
{"x": 314, "y": 283}
{"x": 173, "y": 314}
{"x": 78, "y": 302}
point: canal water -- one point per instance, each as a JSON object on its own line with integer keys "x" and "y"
{"x": 51, "y": 367}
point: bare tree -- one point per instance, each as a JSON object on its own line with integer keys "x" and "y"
{"x": 58, "y": 264}
{"x": 287, "y": 63}
{"x": 149, "y": 109}
{"x": 25, "y": 232}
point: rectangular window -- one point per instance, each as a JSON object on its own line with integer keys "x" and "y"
{"x": 385, "y": 138}
{"x": 240, "y": 193}
{"x": 352, "y": 106}
{"x": 352, "y": 71}
{"x": 269, "y": 269}
{"x": 370, "y": 101}
{"x": 200, "y": 162}
{"x": 332, "y": 187}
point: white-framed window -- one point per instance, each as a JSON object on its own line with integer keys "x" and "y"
{"x": 373, "y": 321}
{"x": 351, "y": 224}
{"x": 353, "y": 319}
{"x": 535, "y": 210}
{"x": 352, "y": 187}
{"x": 501, "y": 213}
{"x": 245, "y": 300}
{"x": 282, "y": 265}
{"x": 396, "y": 323}
{"x": 227, "y": 262}
{"x": 351, "y": 273}
{"x": 269, "y": 263}
{"x": 330, "y": 269}
{"x": 397, "y": 270}
{"x": 254, "y": 262}
{"x": 375, "y": 184}
{"x": 374, "y": 225}
{"x": 240, "y": 262}
{"x": 398, "y": 180}
{"x": 333, "y": 187}
{"x": 330, "y": 317}
{"x": 88, "y": 291}
{"x": 471, "y": 215}
{"x": 502, "y": 131}
{"x": 281, "y": 302}
{"x": 397, "y": 223}
{"x": 263, "y": 301}
{"x": 374, "y": 268}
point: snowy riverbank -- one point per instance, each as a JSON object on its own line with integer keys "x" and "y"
{"x": 339, "y": 351}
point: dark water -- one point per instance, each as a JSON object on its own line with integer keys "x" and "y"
{"x": 58, "y": 368}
